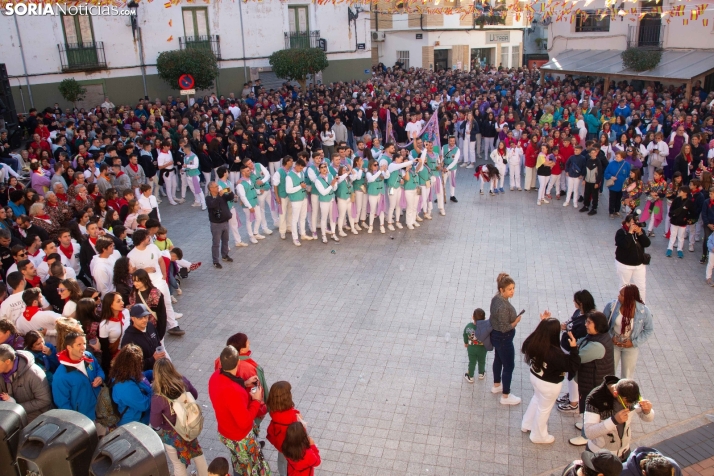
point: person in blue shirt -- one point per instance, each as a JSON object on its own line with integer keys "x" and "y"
{"x": 618, "y": 169}
{"x": 131, "y": 390}
{"x": 623, "y": 109}
{"x": 77, "y": 380}
{"x": 45, "y": 353}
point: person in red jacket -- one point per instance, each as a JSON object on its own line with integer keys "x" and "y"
{"x": 531, "y": 155}
{"x": 282, "y": 414}
{"x": 300, "y": 451}
{"x": 236, "y": 409}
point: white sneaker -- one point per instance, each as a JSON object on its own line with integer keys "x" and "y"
{"x": 565, "y": 204}
{"x": 463, "y": 164}
{"x": 354, "y": 232}
{"x": 296, "y": 243}
{"x": 470, "y": 166}
{"x": 356, "y": 227}
{"x": 268, "y": 231}
{"x": 391, "y": 227}
{"x": 399, "y": 225}
{"x": 417, "y": 224}
{"x": 334, "y": 237}
{"x": 253, "y": 240}
{"x": 498, "y": 389}
{"x": 510, "y": 400}
{"x": 324, "y": 239}
{"x": 173, "y": 300}
{"x": 691, "y": 247}
{"x": 282, "y": 236}
{"x": 427, "y": 216}
{"x": 410, "y": 227}
{"x": 548, "y": 440}
{"x": 307, "y": 238}
{"x": 538, "y": 202}
{"x": 575, "y": 204}
{"x": 442, "y": 213}
{"x": 204, "y": 208}
{"x": 196, "y": 204}
{"x": 578, "y": 441}
{"x": 545, "y": 201}
{"x": 343, "y": 234}
{"x": 418, "y": 218}
{"x": 369, "y": 230}
{"x": 178, "y": 315}
{"x": 579, "y": 425}
{"x": 180, "y": 200}
{"x": 241, "y": 244}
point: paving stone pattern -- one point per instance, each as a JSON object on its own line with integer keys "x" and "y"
{"x": 370, "y": 336}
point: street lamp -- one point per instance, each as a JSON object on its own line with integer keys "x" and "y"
{"x": 136, "y": 31}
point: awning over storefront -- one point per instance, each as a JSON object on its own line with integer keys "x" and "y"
{"x": 675, "y": 65}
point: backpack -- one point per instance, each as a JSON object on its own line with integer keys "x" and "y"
{"x": 189, "y": 419}
{"x": 106, "y": 409}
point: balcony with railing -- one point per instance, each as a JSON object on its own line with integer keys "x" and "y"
{"x": 205, "y": 42}
{"x": 82, "y": 56}
{"x": 645, "y": 35}
{"x": 302, "y": 39}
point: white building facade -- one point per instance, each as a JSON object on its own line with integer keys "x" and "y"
{"x": 446, "y": 41}
{"x": 105, "y": 55}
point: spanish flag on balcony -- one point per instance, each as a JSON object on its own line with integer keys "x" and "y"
{"x": 701, "y": 8}
{"x": 705, "y": 21}
{"x": 694, "y": 14}
{"x": 678, "y": 10}
{"x": 685, "y": 21}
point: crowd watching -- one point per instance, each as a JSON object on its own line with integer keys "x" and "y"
{"x": 91, "y": 275}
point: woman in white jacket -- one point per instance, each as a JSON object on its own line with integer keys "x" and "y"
{"x": 500, "y": 160}
{"x": 582, "y": 130}
{"x": 514, "y": 154}
{"x": 326, "y": 186}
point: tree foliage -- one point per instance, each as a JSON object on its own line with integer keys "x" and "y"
{"x": 200, "y": 63}
{"x": 641, "y": 59}
{"x": 297, "y": 64}
{"x": 71, "y": 90}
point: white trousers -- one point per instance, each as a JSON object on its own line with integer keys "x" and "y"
{"x": 170, "y": 186}
{"x": 542, "y": 402}
{"x": 666, "y": 216}
{"x": 439, "y": 196}
{"x": 325, "y": 213}
{"x": 263, "y": 199}
{"x": 573, "y": 390}
{"x": 154, "y": 182}
{"x": 316, "y": 208}
{"x": 573, "y": 188}
{"x": 469, "y": 156}
{"x": 710, "y": 265}
{"x": 344, "y": 209}
{"x": 194, "y": 185}
{"x": 254, "y": 227}
{"x": 394, "y": 207}
{"x": 514, "y": 175}
{"x": 695, "y": 231}
{"x": 180, "y": 469}
{"x": 233, "y": 225}
{"x": 542, "y": 186}
{"x": 373, "y": 201}
{"x": 554, "y": 181}
{"x": 636, "y": 275}
{"x": 161, "y": 284}
{"x": 235, "y": 180}
{"x": 286, "y": 216}
{"x": 183, "y": 185}
{"x": 299, "y": 211}
{"x": 676, "y": 234}
{"x": 446, "y": 177}
{"x": 425, "y": 205}
{"x": 412, "y": 203}
{"x": 207, "y": 179}
{"x": 361, "y": 201}
{"x": 273, "y": 167}
{"x": 629, "y": 361}
{"x": 530, "y": 178}
{"x": 502, "y": 170}
{"x": 478, "y": 145}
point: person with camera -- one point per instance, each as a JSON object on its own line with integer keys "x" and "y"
{"x": 219, "y": 214}
{"x": 630, "y": 256}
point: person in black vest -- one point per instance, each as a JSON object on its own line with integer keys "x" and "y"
{"x": 597, "y": 360}
{"x": 584, "y": 303}
{"x": 219, "y": 214}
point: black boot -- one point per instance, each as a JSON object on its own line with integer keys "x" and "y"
{"x": 453, "y": 199}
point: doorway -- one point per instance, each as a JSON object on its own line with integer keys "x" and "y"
{"x": 441, "y": 60}
{"x": 650, "y": 28}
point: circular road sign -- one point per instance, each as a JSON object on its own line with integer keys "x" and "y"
{"x": 186, "y": 81}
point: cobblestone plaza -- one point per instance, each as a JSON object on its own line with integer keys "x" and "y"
{"x": 368, "y": 331}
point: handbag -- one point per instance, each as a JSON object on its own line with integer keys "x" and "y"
{"x": 611, "y": 181}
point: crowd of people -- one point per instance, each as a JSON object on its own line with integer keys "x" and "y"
{"x": 91, "y": 275}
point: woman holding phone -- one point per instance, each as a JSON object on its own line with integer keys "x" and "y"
{"x": 503, "y": 321}
{"x": 548, "y": 364}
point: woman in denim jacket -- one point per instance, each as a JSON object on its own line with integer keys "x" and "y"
{"x": 631, "y": 325}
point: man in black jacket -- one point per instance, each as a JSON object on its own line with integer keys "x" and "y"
{"x": 592, "y": 174}
{"x": 144, "y": 334}
{"x": 219, "y": 214}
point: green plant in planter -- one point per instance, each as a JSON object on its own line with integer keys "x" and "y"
{"x": 72, "y": 91}
{"x": 640, "y": 59}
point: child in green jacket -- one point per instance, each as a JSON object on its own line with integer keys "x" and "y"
{"x": 475, "y": 349}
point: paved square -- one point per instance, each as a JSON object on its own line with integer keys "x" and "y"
{"x": 370, "y": 336}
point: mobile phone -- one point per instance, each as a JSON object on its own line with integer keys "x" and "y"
{"x": 523, "y": 311}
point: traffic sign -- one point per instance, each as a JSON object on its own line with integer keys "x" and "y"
{"x": 186, "y": 81}
{"x": 188, "y": 92}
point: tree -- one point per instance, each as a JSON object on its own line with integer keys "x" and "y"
{"x": 72, "y": 91}
{"x": 296, "y": 64}
{"x": 200, "y": 63}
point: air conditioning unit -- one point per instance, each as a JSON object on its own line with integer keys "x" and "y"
{"x": 378, "y": 35}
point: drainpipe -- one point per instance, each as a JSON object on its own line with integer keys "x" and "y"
{"x": 141, "y": 58}
{"x": 242, "y": 40}
{"x": 24, "y": 65}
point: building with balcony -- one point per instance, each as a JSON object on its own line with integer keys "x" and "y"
{"x": 105, "y": 55}
{"x": 446, "y": 41}
{"x": 591, "y": 44}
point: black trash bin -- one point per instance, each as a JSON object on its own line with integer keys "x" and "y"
{"x": 57, "y": 443}
{"x": 12, "y": 420}
{"x": 130, "y": 450}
